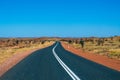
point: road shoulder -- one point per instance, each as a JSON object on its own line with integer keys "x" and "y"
{"x": 111, "y": 63}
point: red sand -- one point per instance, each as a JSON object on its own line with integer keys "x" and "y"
{"x": 104, "y": 60}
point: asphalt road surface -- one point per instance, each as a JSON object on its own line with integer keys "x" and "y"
{"x": 55, "y": 63}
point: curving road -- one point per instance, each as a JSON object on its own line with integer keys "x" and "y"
{"x": 55, "y": 63}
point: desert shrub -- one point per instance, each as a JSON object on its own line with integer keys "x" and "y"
{"x": 69, "y": 41}
{"x": 42, "y": 42}
{"x": 100, "y": 42}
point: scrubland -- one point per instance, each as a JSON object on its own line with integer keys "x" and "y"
{"x": 109, "y": 46}
{"x": 10, "y": 47}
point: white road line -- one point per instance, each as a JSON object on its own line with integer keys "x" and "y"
{"x": 67, "y": 69}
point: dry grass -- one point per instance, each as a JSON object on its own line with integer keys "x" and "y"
{"x": 110, "y": 49}
{"x": 7, "y": 52}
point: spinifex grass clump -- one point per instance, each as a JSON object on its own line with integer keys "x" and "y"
{"x": 114, "y": 53}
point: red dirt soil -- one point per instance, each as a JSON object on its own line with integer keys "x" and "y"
{"x": 111, "y": 63}
{"x": 104, "y": 60}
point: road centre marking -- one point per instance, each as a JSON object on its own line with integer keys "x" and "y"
{"x": 66, "y": 68}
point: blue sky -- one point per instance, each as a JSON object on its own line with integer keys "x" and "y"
{"x": 62, "y": 18}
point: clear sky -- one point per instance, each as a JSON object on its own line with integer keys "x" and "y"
{"x": 59, "y": 18}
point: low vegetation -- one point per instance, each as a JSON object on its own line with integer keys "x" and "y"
{"x": 109, "y": 46}
{"x": 10, "y": 47}
{"x": 104, "y": 46}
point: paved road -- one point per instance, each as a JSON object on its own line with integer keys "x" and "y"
{"x": 55, "y": 63}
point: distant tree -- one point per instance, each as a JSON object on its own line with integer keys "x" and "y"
{"x": 106, "y": 39}
{"x": 69, "y": 41}
{"x": 82, "y": 43}
{"x": 42, "y": 42}
{"x": 16, "y": 42}
{"x": 76, "y": 41}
